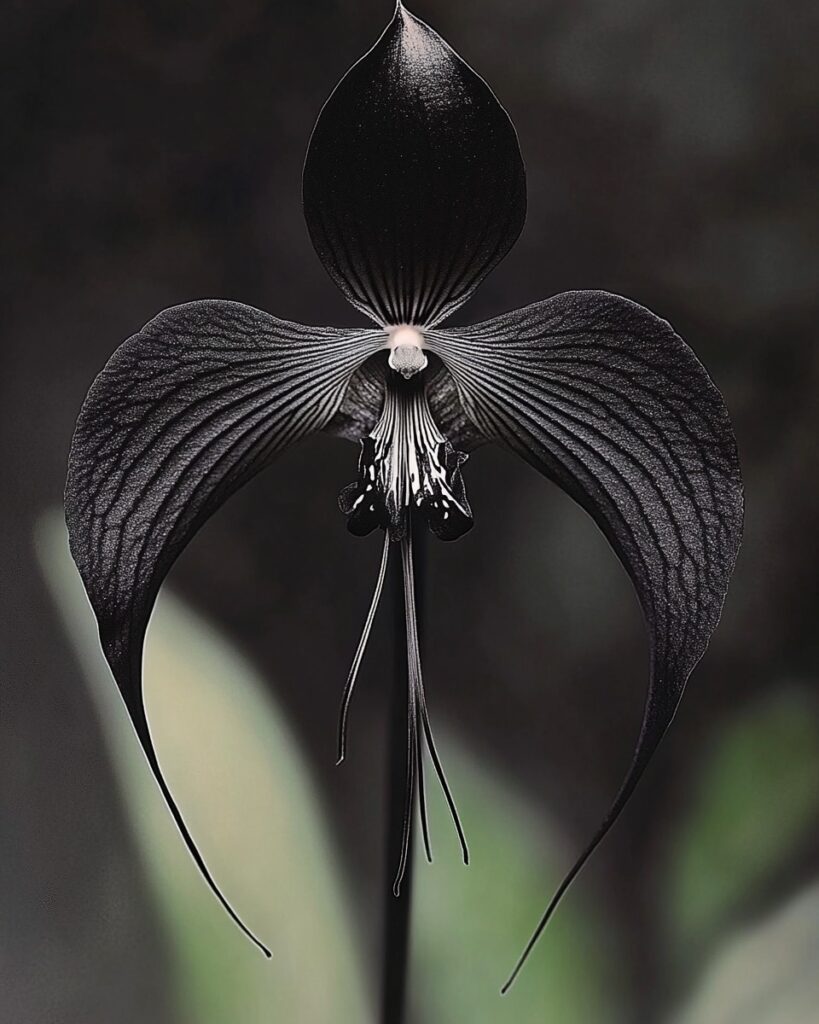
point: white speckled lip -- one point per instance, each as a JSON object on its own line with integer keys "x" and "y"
{"x": 406, "y": 346}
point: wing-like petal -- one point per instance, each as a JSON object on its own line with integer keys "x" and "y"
{"x": 602, "y": 397}
{"x": 414, "y": 186}
{"x": 183, "y": 414}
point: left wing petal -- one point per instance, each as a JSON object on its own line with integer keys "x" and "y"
{"x": 185, "y": 412}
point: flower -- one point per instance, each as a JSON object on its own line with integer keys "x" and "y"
{"x": 414, "y": 189}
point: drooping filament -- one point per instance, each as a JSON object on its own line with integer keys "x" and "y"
{"x": 359, "y": 654}
{"x": 419, "y": 731}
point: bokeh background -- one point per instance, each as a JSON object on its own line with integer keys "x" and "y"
{"x": 152, "y": 154}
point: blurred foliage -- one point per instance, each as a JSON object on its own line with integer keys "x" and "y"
{"x": 754, "y": 798}
{"x": 470, "y": 923}
{"x": 768, "y": 975}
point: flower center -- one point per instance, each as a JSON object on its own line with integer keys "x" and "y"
{"x": 406, "y": 463}
{"x": 406, "y": 345}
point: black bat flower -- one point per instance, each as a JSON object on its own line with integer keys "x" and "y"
{"x": 414, "y": 189}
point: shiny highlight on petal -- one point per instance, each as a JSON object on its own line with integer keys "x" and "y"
{"x": 414, "y": 187}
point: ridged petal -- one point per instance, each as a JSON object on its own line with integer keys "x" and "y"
{"x": 603, "y": 398}
{"x": 183, "y": 414}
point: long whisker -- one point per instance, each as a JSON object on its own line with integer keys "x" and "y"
{"x": 422, "y": 800}
{"x": 359, "y": 654}
{"x": 406, "y": 831}
{"x": 414, "y": 677}
{"x": 420, "y": 703}
{"x": 414, "y": 768}
{"x": 439, "y": 771}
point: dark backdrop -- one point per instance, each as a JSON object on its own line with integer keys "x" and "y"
{"x": 152, "y": 154}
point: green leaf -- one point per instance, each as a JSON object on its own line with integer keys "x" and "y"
{"x": 756, "y": 798}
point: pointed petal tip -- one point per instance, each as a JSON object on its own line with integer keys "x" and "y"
{"x": 404, "y": 15}
{"x": 125, "y": 661}
{"x": 178, "y": 419}
{"x": 605, "y": 399}
{"x": 414, "y": 185}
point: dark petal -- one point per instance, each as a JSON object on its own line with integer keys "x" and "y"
{"x": 602, "y": 397}
{"x": 447, "y": 410}
{"x": 182, "y": 415}
{"x": 363, "y": 401}
{"x": 362, "y": 502}
{"x": 414, "y": 186}
{"x": 443, "y": 502}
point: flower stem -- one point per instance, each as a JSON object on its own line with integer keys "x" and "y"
{"x": 397, "y": 908}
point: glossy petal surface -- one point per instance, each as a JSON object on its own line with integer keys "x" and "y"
{"x": 183, "y": 414}
{"x": 414, "y": 186}
{"x": 603, "y": 398}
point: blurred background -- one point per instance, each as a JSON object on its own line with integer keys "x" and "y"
{"x": 152, "y": 155}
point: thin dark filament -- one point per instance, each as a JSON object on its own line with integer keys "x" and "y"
{"x": 406, "y": 828}
{"x": 439, "y": 771}
{"x": 421, "y": 704}
{"x": 359, "y": 654}
{"x": 422, "y": 800}
{"x": 413, "y": 650}
{"x": 419, "y": 726}
{"x": 412, "y": 711}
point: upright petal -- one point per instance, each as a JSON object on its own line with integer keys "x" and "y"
{"x": 602, "y": 397}
{"x": 414, "y": 186}
{"x": 183, "y": 414}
